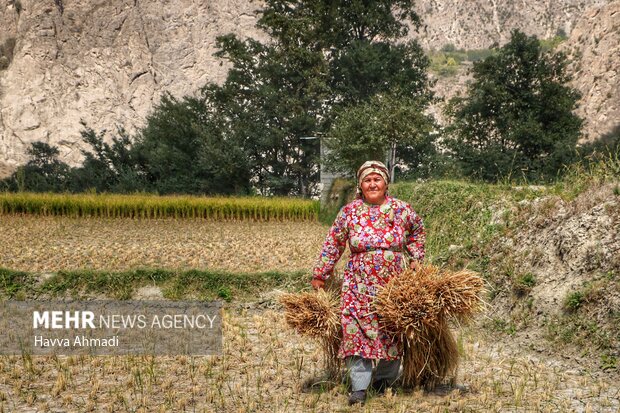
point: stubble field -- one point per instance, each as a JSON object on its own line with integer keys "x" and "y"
{"x": 49, "y": 244}
{"x": 263, "y": 365}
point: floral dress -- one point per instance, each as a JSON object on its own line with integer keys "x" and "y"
{"x": 382, "y": 239}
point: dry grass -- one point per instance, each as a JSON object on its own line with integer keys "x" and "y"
{"x": 263, "y": 367}
{"x": 49, "y": 244}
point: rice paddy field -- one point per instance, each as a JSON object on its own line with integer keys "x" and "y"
{"x": 49, "y": 244}
{"x": 264, "y": 366}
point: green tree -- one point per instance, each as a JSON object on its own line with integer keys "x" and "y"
{"x": 366, "y": 68}
{"x": 183, "y": 149}
{"x": 270, "y": 100}
{"x": 383, "y": 126}
{"x": 107, "y": 167}
{"x": 516, "y": 119}
{"x": 44, "y": 172}
{"x": 323, "y": 56}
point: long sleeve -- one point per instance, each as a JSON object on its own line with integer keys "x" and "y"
{"x": 416, "y": 236}
{"x": 333, "y": 247}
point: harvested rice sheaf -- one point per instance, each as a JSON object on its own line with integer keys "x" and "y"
{"x": 416, "y": 306}
{"x": 408, "y": 303}
{"x": 459, "y": 294}
{"x": 317, "y": 315}
{"x": 313, "y": 314}
{"x": 430, "y": 357}
{"x": 415, "y": 301}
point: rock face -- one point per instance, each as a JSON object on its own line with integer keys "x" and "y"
{"x": 107, "y": 62}
{"x": 569, "y": 247}
{"x": 104, "y": 62}
{"x": 478, "y": 24}
{"x": 594, "y": 47}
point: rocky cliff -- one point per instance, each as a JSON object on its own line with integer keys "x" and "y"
{"x": 594, "y": 49}
{"x": 478, "y": 24}
{"x": 107, "y": 62}
{"x": 104, "y": 62}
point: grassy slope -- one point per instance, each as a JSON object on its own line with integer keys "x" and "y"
{"x": 175, "y": 285}
{"x": 466, "y": 221}
{"x": 460, "y": 217}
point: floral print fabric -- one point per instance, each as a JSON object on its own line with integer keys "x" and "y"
{"x": 382, "y": 239}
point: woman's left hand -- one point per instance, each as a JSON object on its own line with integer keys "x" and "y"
{"x": 317, "y": 284}
{"x": 415, "y": 265}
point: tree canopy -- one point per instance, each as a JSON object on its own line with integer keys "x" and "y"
{"x": 44, "y": 172}
{"x": 385, "y": 124}
{"x": 323, "y": 56}
{"x": 516, "y": 119}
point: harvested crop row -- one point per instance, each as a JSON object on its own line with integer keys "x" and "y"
{"x": 263, "y": 368}
{"x": 49, "y": 244}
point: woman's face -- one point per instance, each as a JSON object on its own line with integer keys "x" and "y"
{"x": 373, "y": 188}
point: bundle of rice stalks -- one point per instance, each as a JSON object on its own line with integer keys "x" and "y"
{"x": 407, "y": 304}
{"x": 317, "y": 315}
{"x": 459, "y": 294}
{"x": 416, "y": 307}
{"x": 430, "y": 358}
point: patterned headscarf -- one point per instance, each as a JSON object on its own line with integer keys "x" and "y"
{"x": 368, "y": 168}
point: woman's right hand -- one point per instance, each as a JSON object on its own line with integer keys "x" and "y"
{"x": 317, "y": 284}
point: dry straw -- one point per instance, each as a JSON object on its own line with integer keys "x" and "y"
{"x": 316, "y": 315}
{"x": 416, "y": 306}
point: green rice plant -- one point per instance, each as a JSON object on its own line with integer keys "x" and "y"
{"x": 155, "y": 207}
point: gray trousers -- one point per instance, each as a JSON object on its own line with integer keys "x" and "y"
{"x": 360, "y": 371}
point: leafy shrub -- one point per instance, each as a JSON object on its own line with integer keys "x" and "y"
{"x": 524, "y": 283}
{"x": 574, "y": 300}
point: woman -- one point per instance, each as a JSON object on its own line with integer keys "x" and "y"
{"x": 385, "y": 236}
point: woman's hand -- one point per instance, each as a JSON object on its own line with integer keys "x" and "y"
{"x": 415, "y": 265}
{"x": 317, "y": 284}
